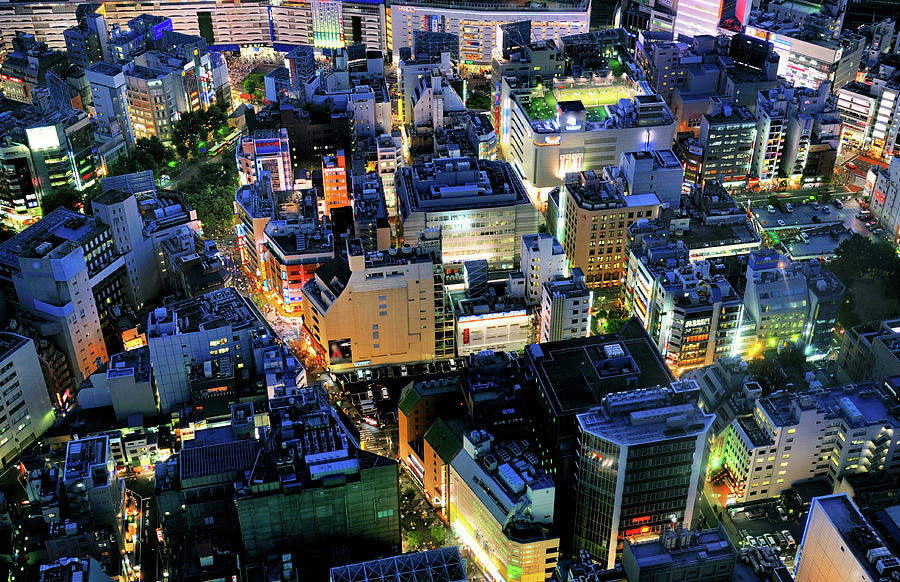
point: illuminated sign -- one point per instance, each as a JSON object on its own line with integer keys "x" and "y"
{"x": 484, "y": 316}
{"x": 466, "y": 336}
{"x": 407, "y": 9}
{"x": 42, "y": 138}
{"x": 572, "y": 162}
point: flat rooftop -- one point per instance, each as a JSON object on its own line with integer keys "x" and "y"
{"x": 858, "y": 405}
{"x": 9, "y": 343}
{"x": 701, "y": 546}
{"x": 575, "y": 375}
{"x": 83, "y": 454}
{"x": 209, "y": 311}
{"x": 439, "y": 565}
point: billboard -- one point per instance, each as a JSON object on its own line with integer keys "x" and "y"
{"x": 340, "y": 351}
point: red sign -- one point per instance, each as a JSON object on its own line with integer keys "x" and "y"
{"x": 466, "y": 336}
{"x": 159, "y": 535}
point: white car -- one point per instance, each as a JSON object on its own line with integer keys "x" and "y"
{"x": 403, "y": 371}
{"x": 780, "y": 222}
{"x": 771, "y": 209}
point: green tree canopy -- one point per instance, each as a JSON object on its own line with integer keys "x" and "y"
{"x": 65, "y": 196}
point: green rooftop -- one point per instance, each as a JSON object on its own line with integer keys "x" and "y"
{"x": 445, "y": 437}
{"x": 418, "y": 389}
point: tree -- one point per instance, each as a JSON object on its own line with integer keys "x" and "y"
{"x": 438, "y": 534}
{"x": 413, "y": 538}
{"x": 613, "y": 325}
{"x": 65, "y": 196}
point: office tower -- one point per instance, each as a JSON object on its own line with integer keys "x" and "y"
{"x": 91, "y": 482}
{"x": 421, "y": 404}
{"x": 18, "y": 195}
{"x": 62, "y": 150}
{"x": 823, "y": 433}
{"x": 501, "y": 502}
{"x": 839, "y": 544}
{"x": 129, "y": 383}
{"x": 321, "y": 466}
{"x": 27, "y": 65}
{"x": 192, "y": 266}
{"x": 689, "y": 556}
{"x": 578, "y": 126}
{"x": 525, "y": 61}
{"x": 201, "y": 349}
{"x": 370, "y": 110}
{"x": 481, "y": 207}
{"x": 656, "y": 437}
{"x": 688, "y": 308}
{"x": 428, "y": 45}
{"x": 543, "y": 259}
{"x": 151, "y": 95}
{"x": 110, "y": 97}
{"x": 656, "y": 171}
{"x": 265, "y": 150}
{"x": 871, "y": 352}
{"x": 334, "y": 179}
{"x": 380, "y": 308}
{"x": 28, "y": 411}
{"x": 370, "y": 215}
{"x": 88, "y": 42}
{"x": 254, "y": 206}
{"x": 78, "y": 255}
{"x": 565, "y": 308}
{"x": 727, "y": 136}
{"x": 119, "y": 211}
{"x": 548, "y": 23}
{"x": 589, "y": 216}
{"x": 788, "y": 302}
{"x": 870, "y": 110}
{"x": 444, "y": 564}
{"x": 883, "y": 191}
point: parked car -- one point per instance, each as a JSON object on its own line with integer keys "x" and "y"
{"x": 770, "y": 540}
{"x": 781, "y": 512}
{"x": 781, "y": 222}
{"x": 771, "y": 208}
{"x": 826, "y": 209}
{"x": 878, "y": 231}
{"x": 404, "y": 371}
{"x": 452, "y": 365}
{"x": 804, "y": 237}
{"x": 815, "y": 205}
{"x": 789, "y": 207}
{"x": 872, "y": 225}
{"x": 838, "y": 204}
{"x": 788, "y": 539}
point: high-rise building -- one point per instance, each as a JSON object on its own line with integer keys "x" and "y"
{"x": 110, "y": 96}
{"x": 28, "y": 412}
{"x": 656, "y": 171}
{"x": 883, "y": 191}
{"x": 84, "y": 569}
{"x": 727, "y": 136}
{"x": 839, "y": 544}
{"x": 301, "y": 65}
{"x": 62, "y": 150}
{"x": 871, "y": 352}
{"x": 334, "y": 178}
{"x": 379, "y": 308}
{"x": 201, "y": 349}
{"x": 589, "y": 216}
{"x": 27, "y": 65}
{"x": 151, "y": 95}
{"x": 543, "y": 259}
{"x": 254, "y": 205}
{"x": 565, "y": 308}
{"x": 690, "y": 311}
{"x": 689, "y": 556}
{"x": 824, "y": 433}
{"x": 481, "y": 21}
{"x": 787, "y": 302}
{"x": 18, "y": 194}
{"x": 370, "y": 215}
{"x": 655, "y": 437}
{"x": 91, "y": 483}
{"x": 502, "y": 503}
{"x": 389, "y": 152}
{"x": 295, "y": 248}
{"x": 88, "y": 42}
{"x": 266, "y": 150}
{"x": 480, "y": 206}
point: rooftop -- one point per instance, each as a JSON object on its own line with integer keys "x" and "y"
{"x": 10, "y": 343}
{"x": 210, "y": 311}
{"x": 591, "y": 191}
{"x": 578, "y": 373}
{"x": 418, "y": 389}
{"x": 858, "y": 405}
{"x": 84, "y": 454}
{"x": 439, "y": 565}
{"x": 61, "y": 225}
{"x": 678, "y": 548}
{"x": 131, "y": 363}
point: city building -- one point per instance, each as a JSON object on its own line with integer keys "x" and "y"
{"x": 314, "y": 461}
{"x": 423, "y": 403}
{"x": 438, "y": 565}
{"x": 688, "y": 308}
{"x": 691, "y": 556}
{"x": 787, "y": 302}
{"x": 883, "y": 192}
{"x": 201, "y": 348}
{"x": 727, "y": 136}
{"x": 110, "y": 99}
{"x": 565, "y": 308}
{"x": 428, "y": 45}
{"x": 88, "y": 42}
{"x": 656, "y": 171}
{"x": 502, "y": 503}
{"x": 480, "y": 206}
{"x": 254, "y": 206}
{"x": 91, "y": 482}
{"x": 265, "y": 151}
{"x": 870, "y": 109}
{"x": 370, "y": 214}
{"x": 378, "y": 308}
{"x": 153, "y": 96}
{"x": 821, "y": 433}
{"x": 295, "y": 249}
{"x": 389, "y": 153}
{"x": 62, "y": 149}
{"x": 839, "y": 544}
{"x": 18, "y": 194}
{"x": 563, "y": 126}
{"x": 870, "y": 352}
{"x": 480, "y": 22}
{"x": 589, "y": 215}
{"x": 25, "y": 67}
{"x": 334, "y": 178}
{"x": 697, "y": 17}
{"x": 655, "y": 437}
{"x": 543, "y": 260}
{"x": 28, "y": 412}
{"x": 71, "y": 569}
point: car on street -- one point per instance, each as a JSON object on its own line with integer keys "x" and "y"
{"x": 872, "y": 225}
{"x": 781, "y": 512}
{"x": 878, "y": 231}
{"x": 826, "y": 209}
{"x": 850, "y": 166}
{"x": 815, "y": 205}
{"x": 863, "y": 215}
{"x": 780, "y": 222}
{"x": 804, "y": 237}
{"x": 838, "y": 204}
{"x": 404, "y": 371}
{"x": 771, "y": 208}
{"x": 789, "y": 207}
{"x": 770, "y": 540}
